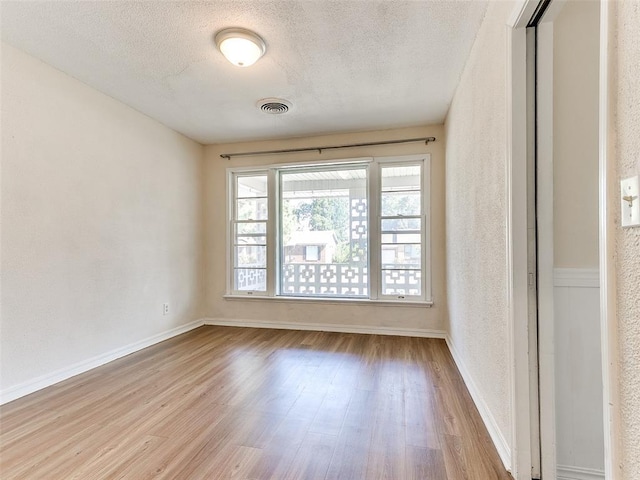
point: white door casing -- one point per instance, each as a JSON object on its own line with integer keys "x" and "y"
{"x": 516, "y": 235}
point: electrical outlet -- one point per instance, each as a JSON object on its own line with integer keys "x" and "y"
{"x": 165, "y": 308}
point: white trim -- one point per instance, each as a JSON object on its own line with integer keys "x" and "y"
{"x": 522, "y": 13}
{"x": 332, "y": 300}
{"x": 30, "y": 386}
{"x": 608, "y": 191}
{"x": 375, "y": 211}
{"x": 233, "y": 222}
{"x": 374, "y": 227}
{"x": 532, "y": 260}
{"x": 273, "y": 233}
{"x": 567, "y": 472}
{"x": 576, "y": 277}
{"x": 545, "y": 253}
{"x": 553, "y": 10}
{"x": 323, "y": 327}
{"x": 501, "y": 444}
{"x": 230, "y": 209}
{"x": 519, "y": 455}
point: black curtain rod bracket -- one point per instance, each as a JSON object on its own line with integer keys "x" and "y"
{"x": 426, "y": 141}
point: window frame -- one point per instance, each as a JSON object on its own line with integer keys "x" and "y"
{"x": 232, "y": 223}
{"x": 346, "y": 164}
{"x": 373, "y": 167}
{"x": 425, "y": 255}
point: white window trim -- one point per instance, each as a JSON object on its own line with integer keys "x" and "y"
{"x": 345, "y": 164}
{"x": 373, "y": 219}
{"x": 332, "y": 300}
{"x": 231, "y": 221}
{"x": 374, "y": 227}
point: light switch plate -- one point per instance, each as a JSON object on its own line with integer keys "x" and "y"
{"x": 630, "y": 201}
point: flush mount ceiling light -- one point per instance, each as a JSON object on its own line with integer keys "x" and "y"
{"x": 240, "y": 46}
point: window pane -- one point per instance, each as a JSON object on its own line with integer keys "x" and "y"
{"x": 251, "y": 209}
{"x": 324, "y": 232}
{"x": 251, "y": 240}
{"x": 398, "y": 178}
{"x": 397, "y": 224}
{"x": 401, "y": 282}
{"x": 254, "y": 186}
{"x": 401, "y": 256}
{"x": 250, "y": 256}
{"x": 401, "y": 238}
{"x": 251, "y": 228}
{"x": 250, "y": 279}
{"x": 401, "y": 203}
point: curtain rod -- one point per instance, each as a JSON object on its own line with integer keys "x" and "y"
{"x": 426, "y": 140}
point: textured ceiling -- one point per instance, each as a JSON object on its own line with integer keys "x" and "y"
{"x": 345, "y": 65}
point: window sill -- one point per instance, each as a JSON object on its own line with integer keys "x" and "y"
{"x": 337, "y": 301}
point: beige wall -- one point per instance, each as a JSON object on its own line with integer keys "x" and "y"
{"x": 625, "y": 101}
{"x": 291, "y": 312}
{"x": 101, "y": 223}
{"x": 575, "y": 139}
{"x": 476, "y": 214}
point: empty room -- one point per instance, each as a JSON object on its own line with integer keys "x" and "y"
{"x": 308, "y": 239}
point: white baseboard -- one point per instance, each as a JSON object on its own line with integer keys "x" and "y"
{"x": 25, "y": 388}
{"x": 323, "y": 327}
{"x": 504, "y": 450}
{"x": 567, "y": 472}
{"x": 576, "y": 277}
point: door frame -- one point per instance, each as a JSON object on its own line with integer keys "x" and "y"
{"x": 517, "y": 240}
{"x": 521, "y": 402}
{"x": 545, "y": 252}
{"x": 608, "y": 202}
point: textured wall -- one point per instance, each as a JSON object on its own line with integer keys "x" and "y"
{"x": 476, "y": 214}
{"x": 626, "y": 106}
{"x": 358, "y": 315}
{"x": 101, "y": 223}
{"x": 575, "y": 135}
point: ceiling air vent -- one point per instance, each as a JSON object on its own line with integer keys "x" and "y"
{"x": 274, "y": 106}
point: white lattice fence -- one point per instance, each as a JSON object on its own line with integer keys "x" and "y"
{"x": 325, "y": 279}
{"x": 251, "y": 279}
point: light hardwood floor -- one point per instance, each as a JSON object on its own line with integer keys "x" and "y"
{"x": 240, "y": 403}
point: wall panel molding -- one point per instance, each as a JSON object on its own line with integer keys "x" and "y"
{"x": 576, "y": 277}
{"x": 578, "y": 374}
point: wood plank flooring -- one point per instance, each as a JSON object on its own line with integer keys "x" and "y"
{"x": 240, "y": 403}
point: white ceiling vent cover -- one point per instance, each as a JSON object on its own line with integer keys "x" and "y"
{"x": 274, "y": 106}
